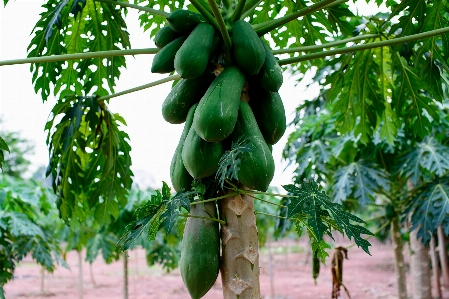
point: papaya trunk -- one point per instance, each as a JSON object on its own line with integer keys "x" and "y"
{"x": 443, "y": 256}
{"x": 125, "y": 275}
{"x": 240, "y": 249}
{"x": 80, "y": 275}
{"x": 92, "y": 278}
{"x": 399, "y": 264}
{"x": 42, "y": 280}
{"x": 435, "y": 268}
{"x": 419, "y": 265}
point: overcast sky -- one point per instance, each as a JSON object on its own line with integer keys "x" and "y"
{"x": 153, "y": 140}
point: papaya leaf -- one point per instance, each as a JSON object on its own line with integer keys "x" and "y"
{"x": 309, "y": 200}
{"x": 428, "y": 155}
{"x": 361, "y": 179}
{"x": 430, "y": 209}
{"x": 104, "y": 244}
{"x": 173, "y": 205}
{"x": 75, "y": 26}
{"x": 229, "y": 163}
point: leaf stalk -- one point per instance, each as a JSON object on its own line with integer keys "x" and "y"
{"x": 222, "y": 27}
{"x": 205, "y": 218}
{"x": 326, "y": 45}
{"x": 378, "y": 44}
{"x": 214, "y": 199}
{"x": 238, "y": 11}
{"x": 74, "y": 56}
{"x": 138, "y": 88}
{"x": 267, "y": 201}
{"x": 206, "y": 13}
{"x": 266, "y": 27}
{"x": 272, "y": 215}
{"x": 249, "y": 8}
{"x": 147, "y": 9}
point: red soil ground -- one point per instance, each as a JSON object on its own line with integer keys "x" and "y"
{"x": 365, "y": 276}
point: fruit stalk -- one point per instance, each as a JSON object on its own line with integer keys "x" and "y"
{"x": 222, "y": 26}
{"x": 240, "y": 255}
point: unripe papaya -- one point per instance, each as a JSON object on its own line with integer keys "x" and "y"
{"x": 163, "y": 61}
{"x": 192, "y": 58}
{"x": 248, "y": 49}
{"x": 256, "y": 166}
{"x": 390, "y": 213}
{"x": 200, "y": 157}
{"x": 269, "y": 113}
{"x": 183, "y": 21}
{"x": 180, "y": 177}
{"x": 270, "y": 75}
{"x": 216, "y": 114}
{"x": 200, "y": 253}
{"x": 183, "y": 95}
{"x": 164, "y": 36}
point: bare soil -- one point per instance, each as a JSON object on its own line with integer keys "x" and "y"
{"x": 365, "y": 276}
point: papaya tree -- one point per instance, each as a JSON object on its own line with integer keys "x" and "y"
{"x": 226, "y": 92}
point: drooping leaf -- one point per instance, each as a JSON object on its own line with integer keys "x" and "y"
{"x": 173, "y": 205}
{"x": 430, "y": 209}
{"x": 361, "y": 180}
{"x": 229, "y": 164}
{"x": 312, "y": 202}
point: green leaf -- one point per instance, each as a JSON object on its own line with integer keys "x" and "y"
{"x": 173, "y": 205}
{"x": 428, "y": 155}
{"x": 3, "y": 145}
{"x": 103, "y": 243}
{"x": 360, "y": 179}
{"x": 229, "y": 164}
{"x": 410, "y": 101}
{"x": 430, "y": 209}
{"x": 312, "y": 202}
{"x": 74, "y": 26}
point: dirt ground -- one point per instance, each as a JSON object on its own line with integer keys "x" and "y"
{"x": 365, "y": 276}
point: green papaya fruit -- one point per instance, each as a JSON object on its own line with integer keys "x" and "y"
{"x": 180, "y": 177}
{"x": 163, "y": 61}
{"x": 248, "y": 49}
{"x": 200, "y": 157}
{"x": 270, "y": 75}
{"x": 192, "y": 58}
{"x": 269, "y": 112}
{"x": 390, "y": 213}
{"x": 183, "y": 95}
{"x": 200, "y": 252}
{"x": 216, "y": 114}
{"x": 256, "y": 166}
{"x": 183, "y": 21}
{"x": 164, "y": 36}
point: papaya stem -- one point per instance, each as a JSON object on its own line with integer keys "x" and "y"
{"x": 168, "y": 79}
{"x": 74, "y": 56}
{"x": 265, "y": 193}
{"x": 213, "y": 199}
{"x": 227, "y": 4}
{"x": 375, "y": 218}
{"x": 222, "y": 26}
{"x": 267, "y": 201}
{"x": 326, "y": 45}
{"x": 266, "y": 27}
{"x": 369, "y": 204}
{"x": 238, "y": 11}
{"x": 369, "y": 237}
{"x": 147, "y": 9}
{"x": 205, "y": 218}
{"x": 250, "y": 9}
{"x": 378, "y": 44}
{"x": 272, "y": 215}
{"x": 206, "y": 13}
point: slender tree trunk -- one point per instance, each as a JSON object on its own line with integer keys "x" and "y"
{"x": 125, "y": 275}
{"x": 270, "y": 266}
{"x": 92, "y": 278}
{"x": 435, "y": 268}
{"x": 240, "y": 249}
{"x": 419, "y": 265}
{"x": 399, "y": 264}
{"x": 42, "y": 280}
{"x": 443, "y": 256}
{"x": 80, "y": 275}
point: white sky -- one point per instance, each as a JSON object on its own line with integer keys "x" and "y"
{"x": 153, "y": 140}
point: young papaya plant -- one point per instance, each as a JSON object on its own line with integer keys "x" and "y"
{"x": 223, "y": 161}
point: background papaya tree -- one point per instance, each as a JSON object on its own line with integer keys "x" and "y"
{"x": 78, "y": 48}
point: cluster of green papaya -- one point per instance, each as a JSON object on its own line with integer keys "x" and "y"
{"x": 220, "y": 99}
